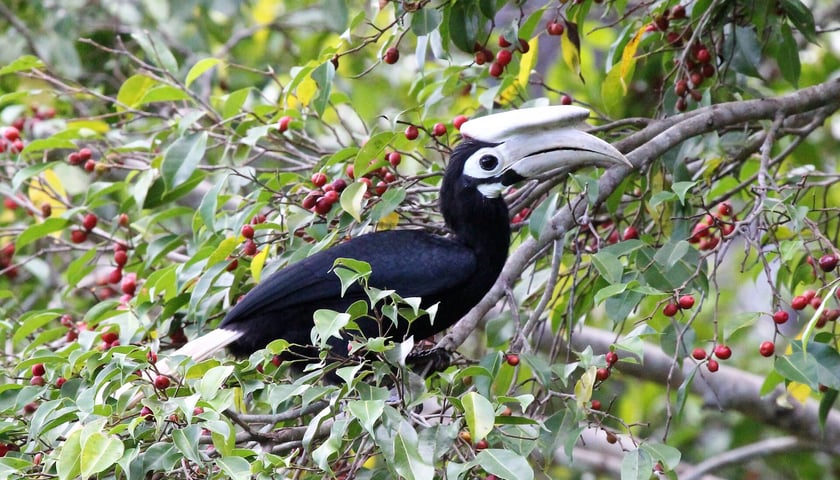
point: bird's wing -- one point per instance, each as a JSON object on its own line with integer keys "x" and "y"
{"x": 412, "y": 262}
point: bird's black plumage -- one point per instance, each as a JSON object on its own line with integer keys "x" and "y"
{"x": 454, "y": 271}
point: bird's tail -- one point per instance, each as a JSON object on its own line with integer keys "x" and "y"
{"x": 199, "y": 349}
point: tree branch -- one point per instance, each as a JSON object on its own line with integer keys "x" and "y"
{"x": 647, "y": 145}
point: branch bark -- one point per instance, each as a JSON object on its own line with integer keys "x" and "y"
{"x": 644, "y": 147}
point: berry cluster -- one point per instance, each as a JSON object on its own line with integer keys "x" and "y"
{"x": 83, "y": 157}
{"x": 685, "y": 302}
{"x": 503, "y": 57}
{"x": 11, "y": 140}
{"x": 721, "y": 351}
{"x": 712, "y": 227}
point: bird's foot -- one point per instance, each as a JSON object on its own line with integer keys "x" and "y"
{"x": 425, "y": 362}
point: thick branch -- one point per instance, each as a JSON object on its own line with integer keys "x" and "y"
{"x": 664, "y": 135}
{"x": 728, "y": 389}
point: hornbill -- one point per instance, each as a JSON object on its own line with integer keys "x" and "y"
{"x": 454, "y": 272}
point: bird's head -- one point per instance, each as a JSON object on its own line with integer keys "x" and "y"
{"x": 504, "y": 148}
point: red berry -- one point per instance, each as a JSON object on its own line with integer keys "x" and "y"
{"x": 162, "y": 382}
{"x": 708, "y": 70}
{"x": 381, "y": 187}
{"x": 496, "y": 69}
{"x": 503, "y": 42}
{"x": 319, "y": 179}
{"x": 122, "y": 220}
{"x": 89, "y": 221}
{"x": 38, "y": 370}
{"x": 322, "y": 206}
{"x": 411, "y": 133}
{"x": 283, "y": 123}
{"x": 394, "y": 158}
{"x": 713, "y": 366}
{"x": 339, "y": 184}
{"x": 512, "y": 359}
{"x": 504, "y": 57}
{"x": 439, "y": 129}
{"x": 46, "y": 209}
{"x": 120, "y": 258}
{"x": 129, "y": 284}
{"x": 78, "y": 236}
{"x": 458, "y": 121}
{"x": 276, "y": 360}
{"x": 670, "y": 310}
{"x": 828, "y": 262}
{"x": 565, "y": 100}
{"x": 392, "y": 55}
{"x": 110, "y": 337}
{"x": 798, "y": 302}
{"x": 674, "y": 39}
{"x": 116, "y": 275}
{"x": 595, "y": 405}
{"x": 482, "y": 444}
{"x": 310, "y": 199}
{"x": 11, "y": 134}
{"x": 809, "y": 294}
{"x": 38, "y": 381}
{"x": 681, "y": 87}
{"x": 697, "y": 79}
{"x": 59, "y": 382}
{"x": 331, "y": 197}
{"x": 249, "y": 248}
{"x": 686, "y": 302}
{"x": 74, "y": 158}
{"x": 723, "y": 352}
{"x": 602, "y": 374}
{"x": 766, "y": 349}
{"x": 780, "y": 317}
{"x": 698, "y": 353}
{"x": 611, "y": 358}
{"x": 815, "y": 302}
{"x": 703, "y": 56}
{"x": 678, "y": 12}
{"x": 90, "y": 166}
{"x": 146, "y": 413}
{"x": 85, "y": 154}
{"x": 247, "y": 231}
{"x": 554, "y": 28}
{"x": 630, "y": 233}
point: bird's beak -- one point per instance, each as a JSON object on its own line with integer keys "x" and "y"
{"x": 543, "y": 140}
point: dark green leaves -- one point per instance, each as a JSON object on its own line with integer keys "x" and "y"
{"x": 182, "y": 158}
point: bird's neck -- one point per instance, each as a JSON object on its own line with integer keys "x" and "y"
{"x": 483, "y": 225}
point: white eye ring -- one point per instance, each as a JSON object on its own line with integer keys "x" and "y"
{"x": 484, "y": 163}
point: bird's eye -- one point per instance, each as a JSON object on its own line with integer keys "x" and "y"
{"x": 488, "y": 162}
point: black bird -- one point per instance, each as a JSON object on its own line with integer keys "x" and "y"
{"x": 454, "y": 272}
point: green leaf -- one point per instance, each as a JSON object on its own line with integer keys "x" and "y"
{"x": 69, "y": 460}
{"x": 199, "y": 68}
{"x": 207, "y": 208}
{"x": 388, "y": 202}
{"x": 425, "y": 20}
{"x": 337, "y": 15}
{"x": 671, "y": 253}
{"x": 132, "y": 91}
{"x": 234, "y": 102}
{"x": 367, "y": 412}
{"x": 352, "y": 198}
{"x": 25, "y": 62}
{"x": 163, "y": 93}
{"x": 463, "y": 25}
{"x": 609, "y": 266}
{"x": 801, "y": 17}
{"x": 323, "y": 77}
{"x": 182, "y": 158}
{"x": 609, "y": 291}
{"x": 40, "y": 230}
{"x": 636, "y": 465}
{"x": 787, "y": 56}
{"x": 212, "y": 380}
{"x": 669, "y": 456}
{"x": 328, "y": 324}
{"x": 236, "y": 468}
{"x": 407, "y": 459}
{"x": 99, "y": 452}
{"x": 681, "y": 189}
{"x": 186, "y": 440}
{"x": 505, "y": 464}
{"x": 156, "y": 50}
{"x": 479, "y": 415}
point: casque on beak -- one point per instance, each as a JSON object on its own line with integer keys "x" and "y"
{"x": 539, "y": 140}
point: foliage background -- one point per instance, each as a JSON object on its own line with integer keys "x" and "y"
{"x": 180, "y": 104}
